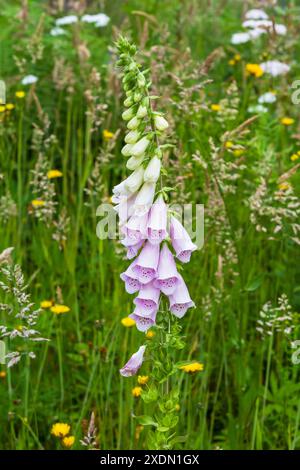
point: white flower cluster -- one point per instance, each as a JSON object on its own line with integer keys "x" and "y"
{"x": 257, "y": 23}
{"x": 99, "y": 20}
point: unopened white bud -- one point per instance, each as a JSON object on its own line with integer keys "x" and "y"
{"x": 140, "y": 147}
{"x": 142, "y": 111}
{"x": 134, "y": 162}
{"x": 133, "y": 123}
{"x": 132, "y": 137}
{"x": 128, "y": 102}
{"x": 160, "y": 123}
{"x": 128, "y": 114}
{"x": 126, "y": 150}
{"x": 152, "y": 171}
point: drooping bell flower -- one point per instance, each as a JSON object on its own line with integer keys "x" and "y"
{"x": 132, "y": 250}
{"x": 125, "y": 208}
{"x": 134, "y": 181}
{"x": 119, "y": 191}
{"x": 152, "y": 171}
{"x": 134, "y": 363}
{"x": 136, "y": 228}
{"x": 180, "y": 300}
{"x": 181, "y": 241}
{"x": 144, "y": 198}
{"x": 168, "y": 277}
{"x": 157, "y": 222}
{"x": 143, "y": 323}
{"x": 146, "y": 264}
{"x": 147, "y": 300}
{"x": 132, "y": 284}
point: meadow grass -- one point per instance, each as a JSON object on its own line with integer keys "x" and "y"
{"x": 247, "y": 397}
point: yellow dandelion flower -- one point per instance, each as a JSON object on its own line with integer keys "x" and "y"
{"x": 9, "y": 106}
{"x": 136, "y": 391}
{"x": 54, "y": 174}
{"x": 2, "y": 374}
{"x": 37, "y": 203}
{"x": 238, "y": 152}
{"x": 295, "y": 157}
{"x": 20, "y": 94}
{"x": 229, "y": 144}
{"x": 215, "y": 107}
{"x": 255, "y": 70}
{"x": 150, "y": 334}
{"x": 127, "y": 322}
{"x": 231, "y": 62}
{"x": 237, "y": 57}
{"x": 192, "y": 367}
{"x": 298, "y": 153}
{"x": 68, "y": 441}
{"x": 58, "y": 309}
{"x": 284, "y": 186}
{"x": 143, "y": 379}
{"x": 107, "y": 135}
{"x": 287, "y": 121}
{"x": 60, "y": 429}
{"x": 2, "y": 109}
{"x": 46, "y": 303}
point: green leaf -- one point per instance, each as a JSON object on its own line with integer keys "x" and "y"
{"x": 254, "y": 284}
{"x": 145, "y": 420}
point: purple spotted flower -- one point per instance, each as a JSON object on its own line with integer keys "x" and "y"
{"x": 134, "y": 363}
{"x": 147, "y": 261}
{"x": 135, "y": 229}
{"x": 132, "y": 284}
{"x": 147, "y": 300}
{"x": 143, "y": 323}
{"x": 167, "y": 276}
{"x": 180, "y": 300}
{"x": 157, "y": 222}
{"x": 181, "y": 241}
{"x": 132, "y": 250}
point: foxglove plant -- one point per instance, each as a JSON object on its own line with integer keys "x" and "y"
{"x": 152, "y": 243}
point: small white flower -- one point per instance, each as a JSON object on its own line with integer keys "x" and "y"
{"x": 258, "y": 108}
{"x": 255, "y": 33}
{"x": 29, "y": 80}
{"x": 275, "y": 68}
{"x": 100, "y": 19}
{"x": 257, "y": 24}
{"x": 240, "y": 38}
{"x": 280, "y": 29}
{"x": 65, "y": 20}
{"x": 57, "y": 31}
{"x": 256, "y": 14}
{"x": 268, "y": 97}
